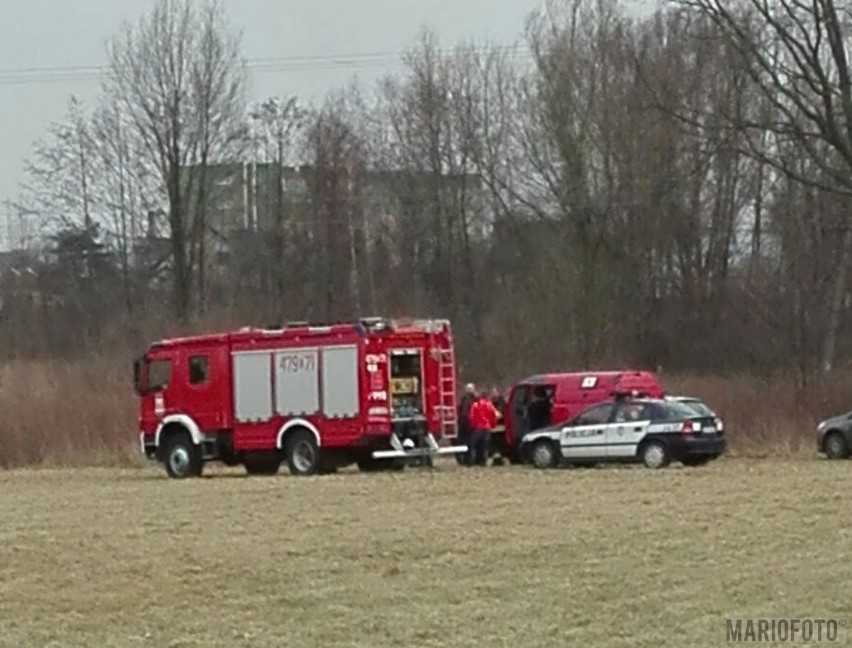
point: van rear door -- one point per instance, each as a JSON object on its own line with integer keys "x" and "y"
{"x": 518, "y": 411}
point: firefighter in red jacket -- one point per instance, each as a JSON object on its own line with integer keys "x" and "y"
{"x": 483, "y": 417}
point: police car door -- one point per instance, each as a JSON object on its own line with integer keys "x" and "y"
{"x": 585, "y": 436}
{"x": 629, "y": 426}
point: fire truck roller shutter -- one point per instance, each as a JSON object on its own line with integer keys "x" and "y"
{"x": 252, "y": 386}
{"x": 296, "y": 382}
{"x": 185, "y": 422}
{"x": 340, "y": 381}
{"x": 297, "y": 424}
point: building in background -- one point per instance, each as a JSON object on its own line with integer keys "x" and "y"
{"x": 244, "y": 203}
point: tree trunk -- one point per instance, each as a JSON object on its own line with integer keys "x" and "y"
{"x": 280, "y": 279}
{"x": 837, "y": 298}
{"x": 180, "y": 275}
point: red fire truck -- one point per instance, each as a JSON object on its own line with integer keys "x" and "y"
{"x": 317, "y": 397}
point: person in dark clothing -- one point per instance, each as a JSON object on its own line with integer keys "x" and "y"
{"x": 498, "y": 401}
{"x": 464, "y": 422}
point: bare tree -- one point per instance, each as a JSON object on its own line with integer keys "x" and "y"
{"x": 433, "y": 126}
{"x": 567, "y": 138}
{"x": 795, "y": 54}
{"x": 336, "y": 180}
{"x": 671, "y": 190}
{"x": 179, "y": 78}
{"x": 61, "y": 173}
{"x": 278, "y": 127}
{"x": 127, "y": 191}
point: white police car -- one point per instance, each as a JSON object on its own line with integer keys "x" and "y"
{"x": 651, "y": 431}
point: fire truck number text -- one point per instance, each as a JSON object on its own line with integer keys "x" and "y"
{"x": 297, "y": 363}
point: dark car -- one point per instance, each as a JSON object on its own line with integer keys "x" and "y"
{"x": 834, "y": 436}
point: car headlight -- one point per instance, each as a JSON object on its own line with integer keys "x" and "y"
{"x": 821, "y": 426}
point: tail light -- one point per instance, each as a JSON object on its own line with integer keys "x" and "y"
{"x": 688, "y": 429}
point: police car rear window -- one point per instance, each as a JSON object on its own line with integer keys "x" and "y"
{"x": 671, "y": 411}
{"x": 699, "y": 407}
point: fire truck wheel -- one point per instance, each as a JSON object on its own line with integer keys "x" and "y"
{"x": 183, "y": 457}
{"x": 303, "y": 456}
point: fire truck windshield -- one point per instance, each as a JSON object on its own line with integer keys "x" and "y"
{"x": 151, "y": 376}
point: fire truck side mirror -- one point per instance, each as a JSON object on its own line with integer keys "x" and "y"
{"x": 139, "y": 378}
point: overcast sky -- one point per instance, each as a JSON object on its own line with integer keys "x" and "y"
{"x": 72, "y": 33}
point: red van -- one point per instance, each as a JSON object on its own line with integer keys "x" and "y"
{"x": 549, "y": 399}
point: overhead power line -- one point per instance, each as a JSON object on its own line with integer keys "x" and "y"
{"x": 31, "y": 75}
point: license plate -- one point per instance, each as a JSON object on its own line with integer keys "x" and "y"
{"x": 709, "y": 430}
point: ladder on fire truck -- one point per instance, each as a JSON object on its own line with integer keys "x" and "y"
{"x": 447, "y": 393}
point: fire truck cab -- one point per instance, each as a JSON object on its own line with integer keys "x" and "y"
{"x": 539, "y": 401}
{"x": 316, "y": 397}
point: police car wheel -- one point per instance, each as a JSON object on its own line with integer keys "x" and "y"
{"x": 835, "y": 446}
{"x": 655, "y": 455}
{"x": 543, "y": 454}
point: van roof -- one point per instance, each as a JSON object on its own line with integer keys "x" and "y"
{"x": 540, "y": 379}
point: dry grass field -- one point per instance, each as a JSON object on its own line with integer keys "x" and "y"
{"x": 503, "y": 556}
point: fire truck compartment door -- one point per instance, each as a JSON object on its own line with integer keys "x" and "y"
{"x": 252, "y": 386}
{"x": 296, "y": 382}
{"x": 340, "y": 381}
